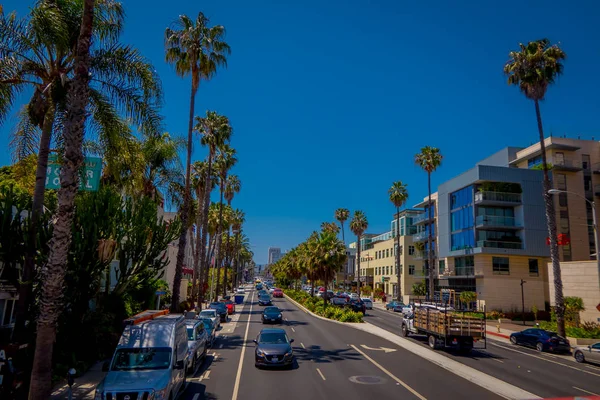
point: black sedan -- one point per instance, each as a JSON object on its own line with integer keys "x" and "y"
{"x": 541, "y": 339}
{"x": 356, "y": 305}
{"x": 273, "y": 349}
{"x": 271, "y": 314}
{"x": 264, "y": 300}
{"x": 221, "y": 309}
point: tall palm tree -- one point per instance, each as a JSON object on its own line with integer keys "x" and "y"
{"x": 358, "y": 226}
{"x": 533, "y": 68}
{"x": 38, "y": 54}
{"x": 232, "y": 187}
{"x": 236, "y": 227}
{"x": 196, "y": 50}
{"x": 429, "y": 159}
{"x": 398, "y": 196}
{"x": 327, "y": 254}
{"x": 216, "y": 131}
{"x": 330, "y": 226}
{"x": 54, "y": 276}
{"x": 342, "y": 214}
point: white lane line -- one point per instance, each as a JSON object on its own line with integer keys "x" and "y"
{"x": 586, "y": 391}
{"x": 545, "y": 359}
{"x": 302, "y": 344}
{"x": 236, "y": 386}
{"x": 320, "y": 373}
{"x": 293, "y": 330}
{"x": 596, "y": 368}
{"x": 196, "y": 396}
{"x": 206, "y": 374}
{"x": 388, "y": 373}
{"x": 215, "y": 356}
{"x": 495, "y": 359}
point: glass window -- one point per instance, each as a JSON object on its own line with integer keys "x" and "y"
{"x": 533, "y": 267}
{"x": 442, "y": 266}
{"x": 411, "y": 269}
{"x": 532, "y": 162}
{"x": 587, "y": 182}
{"x": 463, "y": 240}
{"x": 387, "y": 253}
{"x": 411, "y": 250}
{"x": 461, "y": 198}
{"x": 500, "y": 266}
{"x": 561, "y": 181}
{"x": 141, "y": 359}
{"x": 387, "y": 270}
{"x": 585, "y": 161}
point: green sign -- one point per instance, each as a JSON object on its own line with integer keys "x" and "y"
{"x": 90, "y": 174}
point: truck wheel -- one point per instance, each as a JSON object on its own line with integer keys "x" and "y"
{"x": 433, "y": 342}
{"x": 404, "y": 330}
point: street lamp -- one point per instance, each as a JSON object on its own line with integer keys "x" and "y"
{"x": 594, "y": 221}
{"x": 523, "y": 301}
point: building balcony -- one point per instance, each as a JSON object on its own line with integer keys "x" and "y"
{"x": 421, "y": 255}
{"x": 464, "y": 271}
{"x": 499, "y": 245}
{"x": 498, "y": 222}
{"x": 420, "y": 237}
{"x": 423, "y": 218}
{"x": 567, "y": 165}
{"x": 497, "y": 198}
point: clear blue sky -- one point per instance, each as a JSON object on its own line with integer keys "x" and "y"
{"x": 330, "y": 100}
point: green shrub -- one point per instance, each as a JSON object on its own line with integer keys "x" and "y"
{"x": 587, "y": 330}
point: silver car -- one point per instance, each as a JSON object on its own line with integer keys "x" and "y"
{"x": 368, "y": 303}
{"x": 197, "y": 343}
{"x": 589, "y": 353}
{"x": 212, "y": 315}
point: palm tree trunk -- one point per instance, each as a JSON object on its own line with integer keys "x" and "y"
{"x": 398, "y": 253}
{"x": 559, "y": 307}
{"x": 54, "y": 276}
{"x": 357, "y": 263}
{"x": 430, "y": 240}
{"x": 220, "y": 237}
{"x": 205, "y": 210}
{"x": 226, "y": 263}
{"x": 185, "y": 209}
{"x": 25, "y": 287}
{"x": 197, "y": 281}
{"x": 343, "y": 235}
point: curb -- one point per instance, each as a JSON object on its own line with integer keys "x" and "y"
{"x": 502, "y": 335}
{"x": 306, "y": 310}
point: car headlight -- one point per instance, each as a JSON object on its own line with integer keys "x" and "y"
{"x": 260, "y": 353}
{"x": 289, "y": 353}
{"x": 279, "y": 316}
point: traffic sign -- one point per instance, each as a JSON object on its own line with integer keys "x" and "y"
{"x": 160, "y": 293}
{"x": 90, "y": 177}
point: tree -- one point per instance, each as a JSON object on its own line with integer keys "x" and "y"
{"x": 330, "y": 226}
{"x": 327, "y": 254}
{"x": 232, "y": 187}
{"x": 236, "y": 227}
{"x": 467, "y": 298}
{"x": 342, "y": 214}
{"x": 429, "y": 159}
{"x": 52, "y": 284}
{"x": 398, "y": 196}
{"x": 39, "y": 54}
{"x": 358, "y": 226}
{"x": 197, "y": 50}
{"x": 419, "y": 289}
{"x": 533, "y": 68}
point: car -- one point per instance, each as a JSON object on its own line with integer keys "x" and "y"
{"x": 240, "y": 290}
{"x": 262, "y": 293}
{"x": 197, "y": 343}
{"x": 210, "y": 328}
{"x": 278, "y": 293}
{"x": 259, "y": 286}
{"x": 395, "y": 306}
{"x": 273, "y": 349}
{"x": 589, "y": 353}
{"x": 212, "y": 315}
{"x": 368, "y": 303}
{"x": 354, "y": 296}
{"x": 339, "y": 300}
{"x": 230, "y": 306}
{"x": 271, "y": 314}
{"x": 356, "y": 305}
{"x": 221, "y": 309}
{"x": 541, "y": 339}
{"x": 264, "y": 300}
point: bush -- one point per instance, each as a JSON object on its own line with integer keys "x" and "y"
{"x": 588, "y": 330}
{"x": 495, "y": 314}
{"x": 315, "y": 305}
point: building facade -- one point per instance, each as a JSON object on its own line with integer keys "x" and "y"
{"x": 274, "y": 255}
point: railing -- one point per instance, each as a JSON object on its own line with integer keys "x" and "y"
{"x": 422, "y": 255}
{"x": 494, "y": 220}
{"x": 498, "y": 196}
{"x": 567, "y": 163}
{"x": 423, "y": 217}
{"x": 499, "y": 245}
{"x": 464, "y": 271}
{"x": 420, "y": 236}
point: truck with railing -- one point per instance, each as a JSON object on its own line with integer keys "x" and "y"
{"x": 446, "y": 327}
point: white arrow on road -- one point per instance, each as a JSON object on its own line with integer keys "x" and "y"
{"x": 384, "y": 349}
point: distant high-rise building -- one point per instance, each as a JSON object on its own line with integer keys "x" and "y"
{"x": 274, "y": 254}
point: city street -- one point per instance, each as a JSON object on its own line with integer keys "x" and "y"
{"x": 332, "y": 361}
{"x": 544, "y": 374}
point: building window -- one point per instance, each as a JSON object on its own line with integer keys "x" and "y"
{"x": 387, "y": 270}
{"x": 376, "y": 255}
{"x": 464, "y": 266}
{"x": 411, "y": 269}
{"x": 532, "y": 162}
{"x": 387, "y": 253}
{"x": 500, "y": 266}
{"x": 442, "y": 266}
{"x": 585, "y": 161}
{"x": 561, "y": 181}
{"x": 587, "y": 183}
{"x": 533, "y": 267}
{"x": 411, "y": 250}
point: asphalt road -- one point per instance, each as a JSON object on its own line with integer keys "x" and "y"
{"x": 332, "y": 361}
{"x": 543, "y": 374}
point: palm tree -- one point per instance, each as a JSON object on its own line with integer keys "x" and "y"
{"x": 216, "y": 131}
{"x": 342, "y": 214}
{"x": 38, "y": 54}
{"x": 330, "y": 226}
{"x": 232, "y": 187}
{"x": 236, "y": 227}
{"x": 54, "y": 276}
{"x": 196, "y": 50}
{"x": 398, "y": 196}
{"x": 533, "y": 68}
{"x": 429, "y": 159}
{"x": 358, "y": 226}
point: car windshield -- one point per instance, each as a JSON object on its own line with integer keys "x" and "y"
{"x": 141, "y": 358}
{"x": 207, "y": 313}
{"x": 264, "y": 297}
{"x": 273, "y": 338}
{"x": 271, "y": 310}
{"x": 217, "y": 305}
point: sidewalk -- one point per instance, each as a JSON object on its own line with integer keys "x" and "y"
{"x": 84, "y": 386}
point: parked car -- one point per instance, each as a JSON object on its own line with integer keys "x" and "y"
{"x": 368, "y": 303}
{"x": 278, "y": 293}
{"x": 264, "y": 300}
{"x": 589, "y": 353}
{"x": 212, "y": 315}
{"x": 230, "y": 306}
{"x": 356, "y": 305}
{"x": 240, "y": 290}
{"x": 197, "y": 343}
{"x": 354, "y": 296}
{"x": 221, "y": 310}
{"x": 395, "y": 306}
{"x": 339, "y": 300}
{"x": 271, "y": 314}
{"x": 541, "y": 339}
{"x": 273, "y": 349}
{"x": 211, "y": 330}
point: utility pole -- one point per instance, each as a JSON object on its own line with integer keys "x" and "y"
{"x": 523, "y": 301}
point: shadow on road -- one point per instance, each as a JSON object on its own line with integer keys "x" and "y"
{"x": 320, "y": 355}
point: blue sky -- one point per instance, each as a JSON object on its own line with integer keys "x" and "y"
{"x": 330, "y": 100}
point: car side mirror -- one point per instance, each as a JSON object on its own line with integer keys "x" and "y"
{"x": 255, "y": 341}
{"x": 179, "y": 364}
{"x": 105, "y": 366}
{"x": 291, "y": 340}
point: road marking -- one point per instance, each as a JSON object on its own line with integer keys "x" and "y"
{"x": 196, "y": 396}
{"x": 495, "y": 359}
{"x": 596, "y": 368}
{"x": 293, "y": 330}
{"x": 384, "y": 349}
{"x": 302, "y": 344}
{"x": 215, "y": 356}
{"x": 320, "y": 373}
{"x": 236, "y": 386}
{"x": 545, "y": 359}
{"x": 388, "y": 373}
{"x": 220, "y": 346}
{"x": 586, "y": 391}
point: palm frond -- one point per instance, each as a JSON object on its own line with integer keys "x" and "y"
{"x": 25, "y": 137}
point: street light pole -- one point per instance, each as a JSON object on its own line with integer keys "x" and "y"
{"x": 523, "y": 301}
{"x": 594, "y": 222}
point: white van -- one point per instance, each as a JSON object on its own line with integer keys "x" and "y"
{"x": 150, "y": 361}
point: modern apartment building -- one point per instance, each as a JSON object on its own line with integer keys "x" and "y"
{"x": 274, "y": 255}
